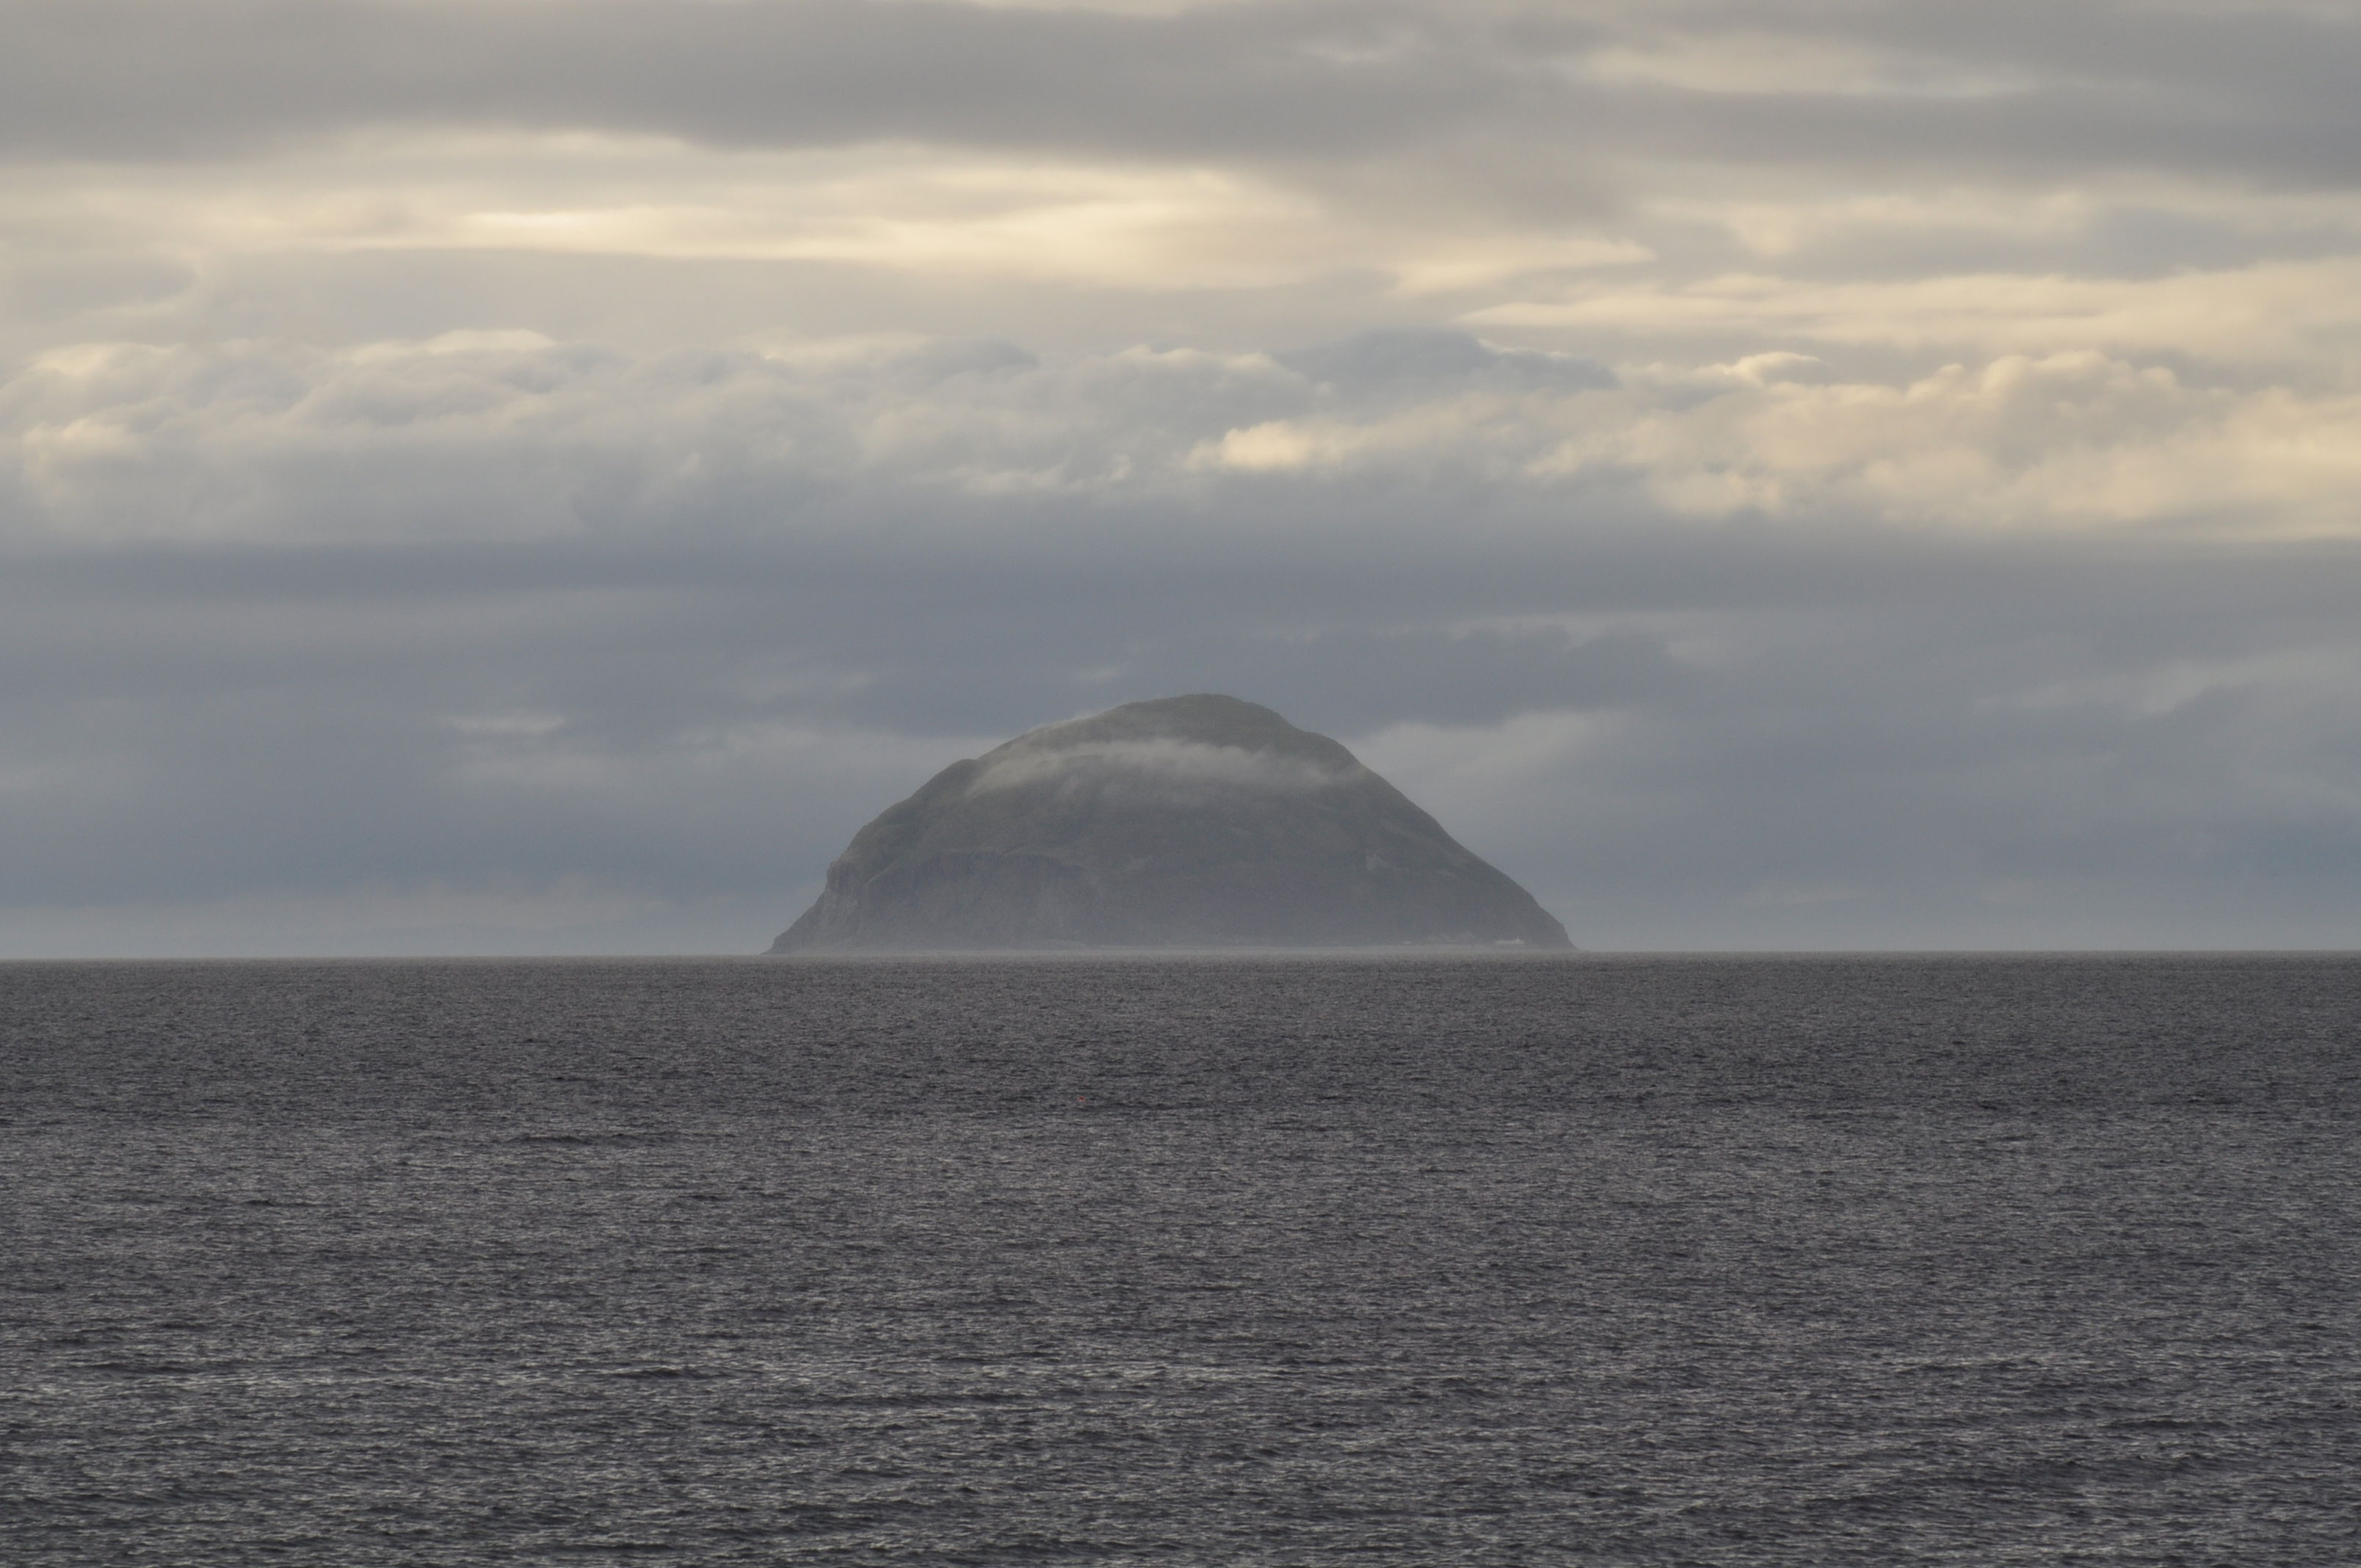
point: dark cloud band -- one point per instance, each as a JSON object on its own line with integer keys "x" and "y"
{"x": 2255, "y": 91}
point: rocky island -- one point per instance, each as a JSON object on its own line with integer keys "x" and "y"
{"x": 1185, "y": 822}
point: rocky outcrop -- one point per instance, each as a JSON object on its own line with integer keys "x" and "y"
{"x": 1185, "y": 822}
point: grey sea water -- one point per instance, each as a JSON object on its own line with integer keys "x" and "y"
{"x": 1826, "y": 1261}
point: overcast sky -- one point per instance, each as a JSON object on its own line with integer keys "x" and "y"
{"x": 535, "y": 475}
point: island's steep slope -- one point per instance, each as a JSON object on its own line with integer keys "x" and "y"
{"x": 1186, "y": 822}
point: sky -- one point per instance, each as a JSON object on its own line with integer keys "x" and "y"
{"x": 536, "y": 476}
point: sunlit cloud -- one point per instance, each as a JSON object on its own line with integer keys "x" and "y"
{"x": 2272, "y": 312}
{"x": 511, "y": 437}
{"x": 1736, "y": 60}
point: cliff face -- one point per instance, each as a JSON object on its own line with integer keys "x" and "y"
{"x": 1185, "y": 822}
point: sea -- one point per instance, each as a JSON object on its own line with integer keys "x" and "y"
{"x": 1183, "y": 1260}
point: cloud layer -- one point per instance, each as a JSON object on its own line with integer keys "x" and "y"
{"x": 2232, "y": 85}
{"x": 486, "y": 438}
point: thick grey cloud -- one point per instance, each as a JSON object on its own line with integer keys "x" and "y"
{"x": 139, "y": 78}
{"x": 2043, "y": 89}
{"x": 1793, "y": 745}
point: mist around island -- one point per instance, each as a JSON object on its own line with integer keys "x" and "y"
{"x": 538, "y": 478}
